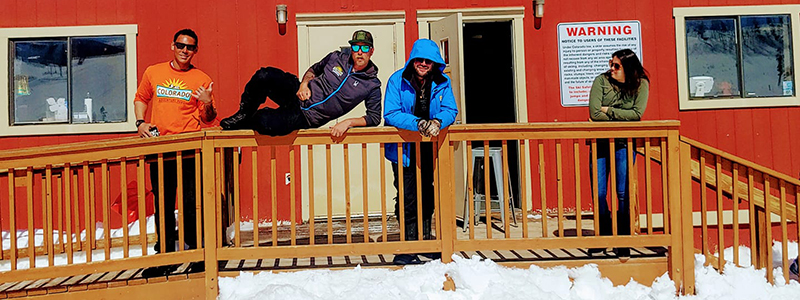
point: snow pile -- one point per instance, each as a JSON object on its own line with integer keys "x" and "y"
{"x": 483, "y": 279}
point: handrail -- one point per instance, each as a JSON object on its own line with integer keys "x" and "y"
{"x": 97, "y": 146}
{"x": 741, "y": 161}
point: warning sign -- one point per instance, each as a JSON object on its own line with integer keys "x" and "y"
{"x": 584, "y": 50}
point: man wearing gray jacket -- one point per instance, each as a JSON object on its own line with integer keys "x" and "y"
{"x": 329, "y": 89}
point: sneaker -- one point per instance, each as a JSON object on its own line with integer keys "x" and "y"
{"x": 236, "y": 121}
{"x": 406, "y": 259}
{"x": 794, "y": 270}
{"x": 159, "y": 271}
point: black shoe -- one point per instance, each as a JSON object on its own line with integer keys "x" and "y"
{"x": 160, "y": 271}
{"x": 236, "y": 121}
{"x": 406, "y": 259}
{"x": 432, "y": 255}
{"x": 196, "y": 267}
{"x": 623, "y": 252}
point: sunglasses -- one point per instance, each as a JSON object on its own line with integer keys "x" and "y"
{"x": 363, "y": 48}
{"x": 180, "y": 46}
{"x": 614, "y": 65}
{"x": 424, "y": 61}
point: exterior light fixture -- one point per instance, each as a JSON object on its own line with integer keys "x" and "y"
{"x": 281, "y": 16}
{"x": 538, "y": 8}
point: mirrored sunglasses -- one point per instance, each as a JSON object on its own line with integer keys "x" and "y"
{"x": 363, "y": 48}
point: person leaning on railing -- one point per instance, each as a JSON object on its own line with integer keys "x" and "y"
{"x": 179, "y": 97}
{"x": 619, "y": 94}
{"x": 418, "y": 97}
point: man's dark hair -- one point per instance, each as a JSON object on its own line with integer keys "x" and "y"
{"x": 187, "y": 32}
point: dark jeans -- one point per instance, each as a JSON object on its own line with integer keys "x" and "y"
{"x": 603, "y": 178}
{"x": 282, "y": 88}
{"x": 170, "y": 196}
{"x": 410, "y": 191}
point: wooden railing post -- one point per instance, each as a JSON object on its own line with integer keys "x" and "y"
{"x": 681, "y": 256}
{"x": 209, "y": 219}
{"x": 447, "y": 207}
{"x": 763, "y": 246}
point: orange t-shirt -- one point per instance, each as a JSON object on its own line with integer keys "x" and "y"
{"x": 168, "y": 93}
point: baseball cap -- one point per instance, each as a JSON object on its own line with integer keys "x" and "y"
{"x": 361, "y": 36}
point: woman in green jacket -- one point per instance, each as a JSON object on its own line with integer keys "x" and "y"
{"x": 619, "y": 94}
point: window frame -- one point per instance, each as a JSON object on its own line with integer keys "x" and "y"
{"x": 6, "y": 34}
{"x": 682, "y": 13}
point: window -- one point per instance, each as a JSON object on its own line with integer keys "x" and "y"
{"x": 737, "y": 56}
{"x": 68, "y": 80}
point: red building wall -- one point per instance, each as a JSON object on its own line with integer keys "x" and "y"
{"x": 237, "y": 37}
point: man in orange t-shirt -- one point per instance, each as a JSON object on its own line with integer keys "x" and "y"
{"x": 180, "y": 99}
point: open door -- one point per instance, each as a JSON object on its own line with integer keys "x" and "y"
{"x": 448, "y": 33}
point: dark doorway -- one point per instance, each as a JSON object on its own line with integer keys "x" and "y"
{"x": 489, "y": 84}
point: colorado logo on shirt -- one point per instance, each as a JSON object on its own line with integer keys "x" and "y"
{"x": 174, "y": 88}
{"x": 338, "y": 70}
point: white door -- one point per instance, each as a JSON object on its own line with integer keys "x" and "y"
{"x": 321, "y": 40}
{"x": 448, "y": 33}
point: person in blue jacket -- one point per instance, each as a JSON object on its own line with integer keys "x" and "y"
{"x": 419, "y": 97}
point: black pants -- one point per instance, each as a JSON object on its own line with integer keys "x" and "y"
{"x": 170, "y": 196}
{"x": 410, "y": 191}
{"x": 282, "y": 88}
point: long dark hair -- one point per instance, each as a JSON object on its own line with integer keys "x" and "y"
{"x": 634, "y": 73}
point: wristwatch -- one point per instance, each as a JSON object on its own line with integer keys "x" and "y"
{"x": 139, "y": 123}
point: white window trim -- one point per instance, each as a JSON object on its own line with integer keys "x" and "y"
{"x": 681, "y": 13}
{"x": 129, "y": 31}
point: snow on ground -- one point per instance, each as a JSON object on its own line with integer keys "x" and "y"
{"x": 484, "y": 279}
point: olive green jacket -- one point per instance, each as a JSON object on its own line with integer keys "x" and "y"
{"x": 603, "y": 93}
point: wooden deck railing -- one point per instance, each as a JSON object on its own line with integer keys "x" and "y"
{"x": 64, "y": 189}
{"x": 66, "y": 192}
{"x": 738, "y": 197}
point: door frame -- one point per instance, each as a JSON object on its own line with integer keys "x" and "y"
{"x": 304, "y": 21}
{"x": 396, "y": 19}
{"x": 515, "y": 14}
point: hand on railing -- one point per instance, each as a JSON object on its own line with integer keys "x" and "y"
{"x": 144, "y": 130}
{"x": 434, "y": 126}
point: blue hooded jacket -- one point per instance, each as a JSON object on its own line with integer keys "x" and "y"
{"x": 401, "y": 97}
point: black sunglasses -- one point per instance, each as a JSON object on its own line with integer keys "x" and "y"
{"x": 424, "y": 60}
{"x": 180, "y": 46}
{"x": 614, "y": 65}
